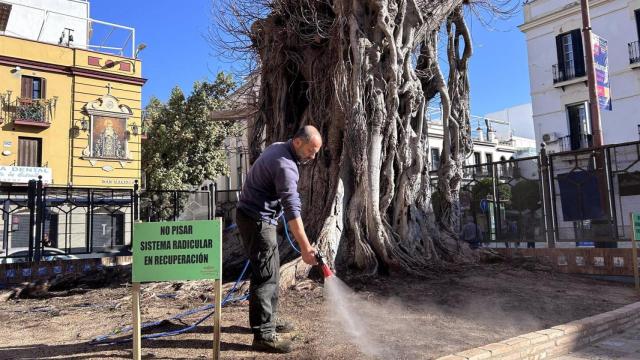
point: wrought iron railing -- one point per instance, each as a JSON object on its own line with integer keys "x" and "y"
{"x": 634, "y": 52}
{"x": 567, "y": 73}
{"x": 35, "y": 110}
{"x": 581, "y": 142}
{"x": 27, "y": 111}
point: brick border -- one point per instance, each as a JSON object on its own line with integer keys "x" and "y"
{"x": 578, "y": 260}
{"x": 16, "y": 273}
{"x": 556, "y": 341}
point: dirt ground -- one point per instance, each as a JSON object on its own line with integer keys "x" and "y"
{"x": 408, "y": 318}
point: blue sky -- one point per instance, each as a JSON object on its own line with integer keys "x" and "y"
{"x": 177, "y": 52}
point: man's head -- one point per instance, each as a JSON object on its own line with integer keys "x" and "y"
{"x": 306, "y": 143}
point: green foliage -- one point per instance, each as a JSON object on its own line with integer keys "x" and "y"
{"x": 184, "y": 146}
{"x": 484, "y": 188}
{"x": 526, "y": 196}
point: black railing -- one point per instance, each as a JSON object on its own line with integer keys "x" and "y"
{"x": 576, "y": 143}
{"x": 26, "y": 111}
{"x": 565, "y": 74}
{"x": 634, "y": 52}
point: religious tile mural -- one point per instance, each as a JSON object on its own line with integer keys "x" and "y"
{"x": 109, "y": 137}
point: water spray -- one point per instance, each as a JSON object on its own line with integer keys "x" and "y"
{"x": 326, "y": 270}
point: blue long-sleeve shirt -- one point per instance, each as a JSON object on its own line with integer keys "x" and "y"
{"x": 272, "y": 185}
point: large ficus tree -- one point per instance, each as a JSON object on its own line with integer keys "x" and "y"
{"x": 363, "y": 72}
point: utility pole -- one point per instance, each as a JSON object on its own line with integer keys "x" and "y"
{"x": 596, "y": 127}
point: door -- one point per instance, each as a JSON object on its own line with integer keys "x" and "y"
{"x": 29, "y": 152}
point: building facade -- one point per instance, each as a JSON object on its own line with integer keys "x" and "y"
{"x": 493, "y": 138}
{"x": 68, "y": 114}
{"x": 556, "y": 57}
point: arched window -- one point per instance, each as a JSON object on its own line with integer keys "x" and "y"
{"x": 504, "y": 166}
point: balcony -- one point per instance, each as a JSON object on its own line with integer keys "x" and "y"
{"x": 27, "y": 112}
{"x": 634, "y": 53}
{"x": 565, "y": 75}
{"x": 581, "y": 142}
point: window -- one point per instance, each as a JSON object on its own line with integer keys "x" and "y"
{"x": 5, "y": 10}
{"x": 489, "y": 163}
{"x": 477, "y": 160}
{"x": 239, "y": 169}
{"x": 33, "y": 88}
{"x": 570, "y": 55}
{"x": 435, "y": 159}
{"x": 29, "y": 152}
{"x": 107, "y": 229}
{"x": 579, "y": 129}
{"x": 504, "y": 166}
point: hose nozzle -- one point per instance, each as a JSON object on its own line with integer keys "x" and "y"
{"x": 326, "y": 271}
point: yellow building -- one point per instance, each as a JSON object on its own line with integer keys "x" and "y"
{"x": 69, "y": 114}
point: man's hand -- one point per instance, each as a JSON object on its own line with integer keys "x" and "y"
{"x": 309, "y": 255}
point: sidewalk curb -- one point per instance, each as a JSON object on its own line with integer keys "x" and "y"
{"x": 556, "y": 341}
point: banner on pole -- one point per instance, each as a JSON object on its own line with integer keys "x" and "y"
{"x": 600, "y": 53}
{"x": 177, "y": 250}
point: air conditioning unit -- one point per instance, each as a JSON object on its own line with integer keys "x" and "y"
{"x": 549, "y": 137}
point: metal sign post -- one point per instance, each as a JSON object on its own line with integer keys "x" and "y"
{"x": 635, "y": 229}
{"x": 216, "y": 319}
{"x": 177, "y": 250}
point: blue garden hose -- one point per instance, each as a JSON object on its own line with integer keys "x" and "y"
{"x": 105, "y": 339}
{"x": 286, "y": 234}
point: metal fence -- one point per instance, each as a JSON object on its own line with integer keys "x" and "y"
{"x": 40, "y": 221}
{"x": 566, "y": 199}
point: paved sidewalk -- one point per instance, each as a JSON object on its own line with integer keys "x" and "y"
{"x": 621, "y": 346}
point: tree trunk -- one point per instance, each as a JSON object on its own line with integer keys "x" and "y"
{"x": 347, "y": 68}
{"x": 454, "y": 96}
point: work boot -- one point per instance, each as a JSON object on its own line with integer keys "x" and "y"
{"x": 271, "y": 343}
{"x": 284, "y": 326}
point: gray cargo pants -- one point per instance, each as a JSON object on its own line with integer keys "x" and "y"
{"x": 261, "y": 246}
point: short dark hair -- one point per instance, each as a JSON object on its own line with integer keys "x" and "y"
{"x": 305, "y": 133}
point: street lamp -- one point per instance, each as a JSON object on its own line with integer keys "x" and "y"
{"x": 140, "y": 47}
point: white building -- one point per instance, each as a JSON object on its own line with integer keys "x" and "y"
{"x": 557, "y": 71}
{"x": 519, "y": 118}
{"x": 57, "y": 19}
{"x": 493, "y": 139}
{"x": 65, "y": 22}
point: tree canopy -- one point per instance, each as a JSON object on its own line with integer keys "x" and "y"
{"x": 185, "y": 146}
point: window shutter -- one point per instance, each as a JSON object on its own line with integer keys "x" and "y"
{"x": 28, "y": 152}
{"x": 578, "y": 53}
{"x": 27, "y": 87}
{"x": 560, "y": 56}
{"x": 43, "y": 88}
{"x": 638, "y": 22}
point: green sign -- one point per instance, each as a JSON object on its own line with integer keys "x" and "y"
{"x": 636, "y": 225}
{"x": 177, "y": 250}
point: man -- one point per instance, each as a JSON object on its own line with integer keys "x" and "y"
{"x": 271, "y": 187}
{"x": 471, "y": 233}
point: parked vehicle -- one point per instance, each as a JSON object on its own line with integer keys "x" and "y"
{"x": 20, "y": 254}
